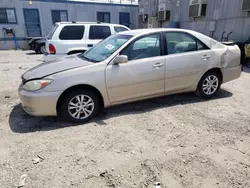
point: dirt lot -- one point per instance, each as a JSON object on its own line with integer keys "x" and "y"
{"x": 179, "y": 141}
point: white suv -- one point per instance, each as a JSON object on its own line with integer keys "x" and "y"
{"x": 66, "y": 38}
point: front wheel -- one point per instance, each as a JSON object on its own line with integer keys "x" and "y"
{"x": 79, "y": 106}
{"x": 209, "y": 85}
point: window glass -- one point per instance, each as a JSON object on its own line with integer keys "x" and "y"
{"x": 145, "y": 47}
{"x": 72, "y": 33}
{"x": 201, "y": 46}
{"x": 180, "y": 42}
{"x": 7, "y": 15}
{"x": 99, "y": 32}
{"x": 11, "y": 15}
{"x": 105, "y": 48}
{"x": 103, "y": 17}
{"x": 120, "y": 29}
{"x": 59, "y": 16}
{"x": 52, "y": 31}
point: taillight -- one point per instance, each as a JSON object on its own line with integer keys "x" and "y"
{"x": 52, "y": 49}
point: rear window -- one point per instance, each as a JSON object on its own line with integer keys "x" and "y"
{"x": 72, "y": 33}
{"x": 120, "y": 29}
{"x": 52, "y": 31}
{"x": 99, "y": 32}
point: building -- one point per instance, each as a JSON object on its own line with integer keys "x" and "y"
{"x": 211, "y": 17}
{"x": 34, "y": 18}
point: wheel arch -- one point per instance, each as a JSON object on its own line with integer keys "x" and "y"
{"x": 215, "y": 69}
{"x": 78, "y": 87}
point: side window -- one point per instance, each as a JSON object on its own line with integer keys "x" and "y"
{"x": 72, "y": 33}
{"x": 120, "y": 29}
{"x": 201, "y": 46}
{"x": 180, "y": 42}
{"x": 99, "y": 32}
{"x": 145, "y": 47}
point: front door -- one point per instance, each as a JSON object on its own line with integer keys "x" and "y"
{"x": 124, "y": 19}
{"x": 142, "y": 75}
{"x": 186, "y": 61}
{"x": 32, "y": 22}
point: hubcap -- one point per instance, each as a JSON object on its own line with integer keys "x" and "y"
{"x": 210, "y": 85}
{"x": 81, "y": 106}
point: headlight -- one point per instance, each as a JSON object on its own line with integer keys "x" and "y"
{"x": 35, "y": 85}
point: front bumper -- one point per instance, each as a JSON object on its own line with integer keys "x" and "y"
{"x": 40, "y": 103}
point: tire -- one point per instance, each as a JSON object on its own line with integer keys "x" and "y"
{"x": 39, "y": 49}
{"x": 71, "y": 109}
{"x": 212, "y": 87}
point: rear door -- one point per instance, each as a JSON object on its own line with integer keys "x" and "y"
{"x": 187, "y": 59}
{"x": 96, "y": 34}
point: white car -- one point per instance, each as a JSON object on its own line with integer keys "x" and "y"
{"x": 66, "y": 38}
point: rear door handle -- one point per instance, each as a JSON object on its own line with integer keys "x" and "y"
{"x": 90, "y": 45}
{"x": 205, "y": 57}
{"x": 158, "y": 65}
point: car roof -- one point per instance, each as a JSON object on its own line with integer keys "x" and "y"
{"x": 148, "y": 31}
{"x": 211, "y": 43}
{"x": 87, "y": 23}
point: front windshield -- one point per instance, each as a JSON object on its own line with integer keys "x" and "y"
{"x": 105, "y": 48}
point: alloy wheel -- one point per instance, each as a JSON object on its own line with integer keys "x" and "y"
{"x": 81, "y": 107}
{"x": 210, "y": 85}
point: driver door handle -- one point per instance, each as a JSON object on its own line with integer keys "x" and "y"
{"x": 158, "y": 65}
{"x": 205, "y": 57}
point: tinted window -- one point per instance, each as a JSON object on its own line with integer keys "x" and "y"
{"x": 99, "y": 32}
{"x": 120, "y": 29}
{"x": 72, "y": 33}
{"x": 145, "y": 47}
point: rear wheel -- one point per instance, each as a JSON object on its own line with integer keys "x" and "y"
{"x": 209, "y": 85}
{"x": 40, "y": 49}
{"x": 80, "y": 106}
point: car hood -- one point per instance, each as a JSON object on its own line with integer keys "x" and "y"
{"x": 55, "y": 66}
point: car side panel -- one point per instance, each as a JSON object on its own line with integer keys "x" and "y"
{"x": 184, "y": 69}
{"x": 93, "y": 75}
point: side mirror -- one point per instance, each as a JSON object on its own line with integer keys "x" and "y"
{"x": 120, "y": 59}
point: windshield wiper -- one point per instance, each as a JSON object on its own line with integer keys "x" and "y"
{"x": 84, "y": 57}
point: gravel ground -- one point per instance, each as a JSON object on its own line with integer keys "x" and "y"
{"x": 179, "y": 140}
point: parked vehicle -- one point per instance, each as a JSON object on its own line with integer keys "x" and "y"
{"x": 68, "y": 38}
{"x": 37, "y": 44}
{"x": 129, "y": 66}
